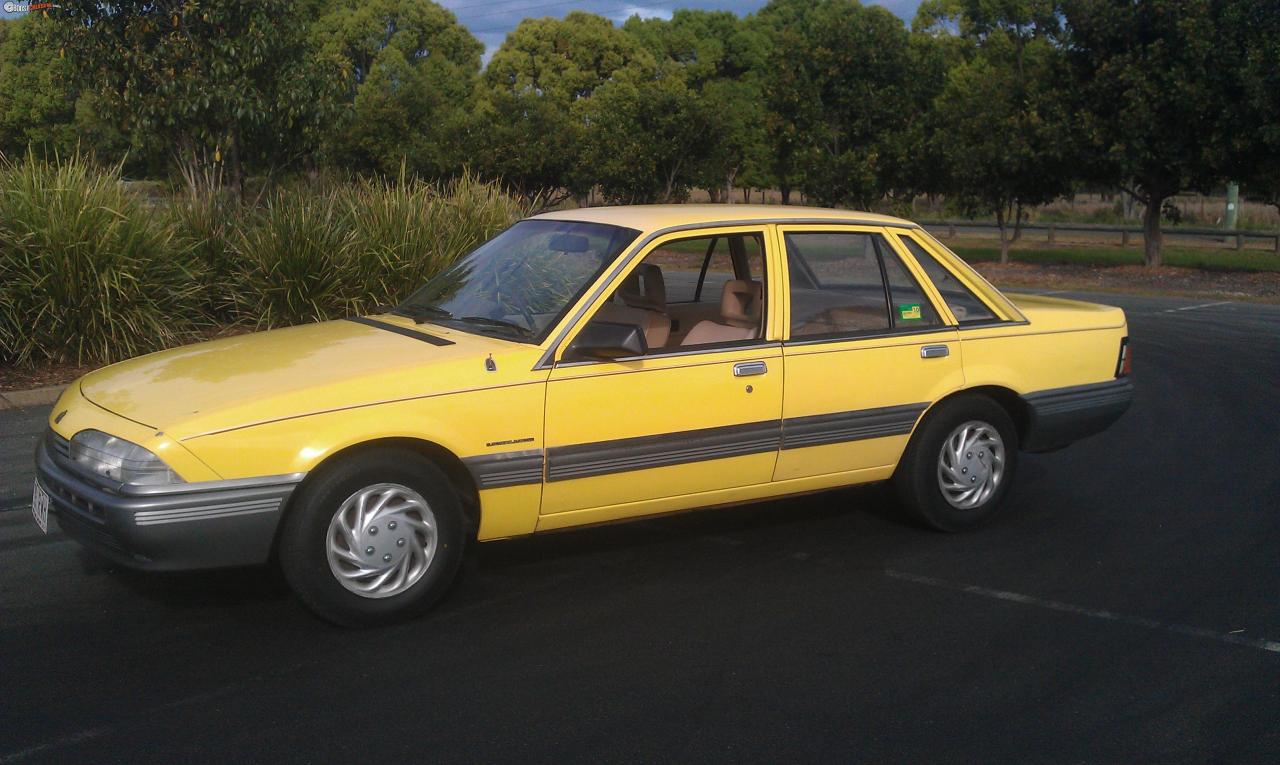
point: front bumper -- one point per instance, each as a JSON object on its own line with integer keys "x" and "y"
{"x": 1062, "y": 416}
{"x": 210, "y": 524}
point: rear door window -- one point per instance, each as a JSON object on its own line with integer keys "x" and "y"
{"x": 851, "y": 283}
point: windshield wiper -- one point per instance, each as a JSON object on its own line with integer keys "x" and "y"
{"x": 421, "y": 313}
{"x": 498, "y": 323}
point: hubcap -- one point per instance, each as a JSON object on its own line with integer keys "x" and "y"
{"x": 382, "y": 540}
{"x": 971, "y": 465}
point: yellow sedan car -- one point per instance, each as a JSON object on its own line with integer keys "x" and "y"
{"x": 581, "y": 367}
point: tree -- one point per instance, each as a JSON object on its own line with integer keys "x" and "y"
{"x": 643, "y": 137}
{"x": 527, "y": 116}
{"x": 40, "y": 108}
{"x": 720, "y": 58}
{"x": 839, "y": 88}
{"x": 1250, "y": 35}
{"x": 410, "y": 69}
{"x": 227, "y": 80}
{"x": 1146, "y": 83}
{"x": 1000, "y": 125}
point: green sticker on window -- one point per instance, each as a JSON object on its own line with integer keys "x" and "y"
{"x": 909, "y": 310}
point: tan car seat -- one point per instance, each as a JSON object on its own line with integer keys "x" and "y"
{"x": 740, "y": 311}
{"x": 644, "y": 304}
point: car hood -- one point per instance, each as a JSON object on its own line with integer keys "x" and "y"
{"x": 266, "y": 376}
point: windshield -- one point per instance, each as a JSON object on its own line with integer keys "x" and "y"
{"x": 518, "y": 284}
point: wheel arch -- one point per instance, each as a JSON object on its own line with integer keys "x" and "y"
{"x": 449, "y": 463}
{"x": 1006, "y": 398}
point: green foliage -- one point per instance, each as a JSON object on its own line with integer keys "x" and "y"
{"x": 644, "y": 138}
{"x": 720, "y": 59}
{"x": 840, "y": 90}
{"x": 527, "y": 118}
{"x": 90, "y": 272}
{"x": 86, "y": 272}
{"x": 1250, "y": 38}
{"x": 217, "y": 78}
{"x": 36, "y": 107}
{"x": 319, "y": 254}
{"x": 1002, "y": 133}
{"x": 563, "y": 59}
{"x": 409, "y": 70}
{"x": 1148, "y": 87}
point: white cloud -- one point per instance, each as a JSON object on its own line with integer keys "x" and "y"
{"x": 644, "y": 12}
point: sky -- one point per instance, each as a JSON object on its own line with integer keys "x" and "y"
{"x": 490, "y": 20}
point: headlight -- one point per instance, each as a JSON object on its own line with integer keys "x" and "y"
{"x": 119, "y": 460}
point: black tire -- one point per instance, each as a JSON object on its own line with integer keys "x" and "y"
{"x": 917, "y": 477}
{"x": 304, "y": 537}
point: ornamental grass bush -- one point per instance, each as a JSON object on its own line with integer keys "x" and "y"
{"x": 87, "y": 272}
{"x": 325, "y": 252}
{"x": 91, "y": 272}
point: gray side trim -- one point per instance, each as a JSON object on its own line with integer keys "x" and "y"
{"x": 622, "y": 455}
{"x": 817, "y": 430}
{"x": 1081, "y": 397}
{"x": 623, "y": 261}
{"x": 491, "y": 471}
{"x": 206, "y": 512}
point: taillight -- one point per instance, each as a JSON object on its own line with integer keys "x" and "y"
{"x": 1124, "y": 364}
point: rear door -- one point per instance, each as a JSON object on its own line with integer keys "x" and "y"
{"x": 866, "y": 350}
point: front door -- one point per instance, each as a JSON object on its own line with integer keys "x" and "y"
{"x": 866, "y": 352}
{"x": 696, "y": 413}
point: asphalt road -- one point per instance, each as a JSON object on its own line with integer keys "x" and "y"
{"x": 1126, "y": 608}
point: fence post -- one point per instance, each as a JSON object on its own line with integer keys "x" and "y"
{"x": 1050, "y": 233}
{"x": 1124, "y": 237}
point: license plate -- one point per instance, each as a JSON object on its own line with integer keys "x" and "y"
{"x": 40, "y": 507}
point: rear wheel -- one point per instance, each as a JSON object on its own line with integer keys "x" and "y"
{"x": 958, "y": 467}
{"x": 374, "y": 539}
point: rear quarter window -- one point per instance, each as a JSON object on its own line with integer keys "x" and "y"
{"x": 966, "y": 306}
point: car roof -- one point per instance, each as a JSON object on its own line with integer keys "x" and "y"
{"x": 656, "y": 217}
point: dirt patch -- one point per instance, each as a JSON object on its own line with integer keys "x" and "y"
{"x": 40, "y": 376}
{"x": 1263, "y": 287}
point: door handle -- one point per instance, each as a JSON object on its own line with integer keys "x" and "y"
{"x": 934, "y": 352}
{"x": 749, "y": 369}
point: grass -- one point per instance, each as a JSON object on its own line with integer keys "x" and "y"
{"x": 92, "y": 272}
{"x": 88, "y": 273}
{"x": 1203, "y": 259}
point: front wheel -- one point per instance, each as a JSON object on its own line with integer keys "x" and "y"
{"x": 958, "y": 467}
{"x": 374, "y": 539}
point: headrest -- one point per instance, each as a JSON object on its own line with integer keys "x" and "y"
{"x": 645, "y": 288}
{"x": 740, "y": 303}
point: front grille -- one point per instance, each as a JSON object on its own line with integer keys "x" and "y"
{"x": 60, "y": 453}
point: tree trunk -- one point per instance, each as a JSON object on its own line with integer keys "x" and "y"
{"x": 1152, "y": 238}
{"x": 1017, "y": 223}
{"x": 728, "y": 185}
{"x": 713, "y": 195}
{"x": 1003, "y": 223}
{"x": 786, "y": 193}
{"x": 746, "y": 195}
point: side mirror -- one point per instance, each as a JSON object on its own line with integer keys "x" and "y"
{"x": 606, "y": 340}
